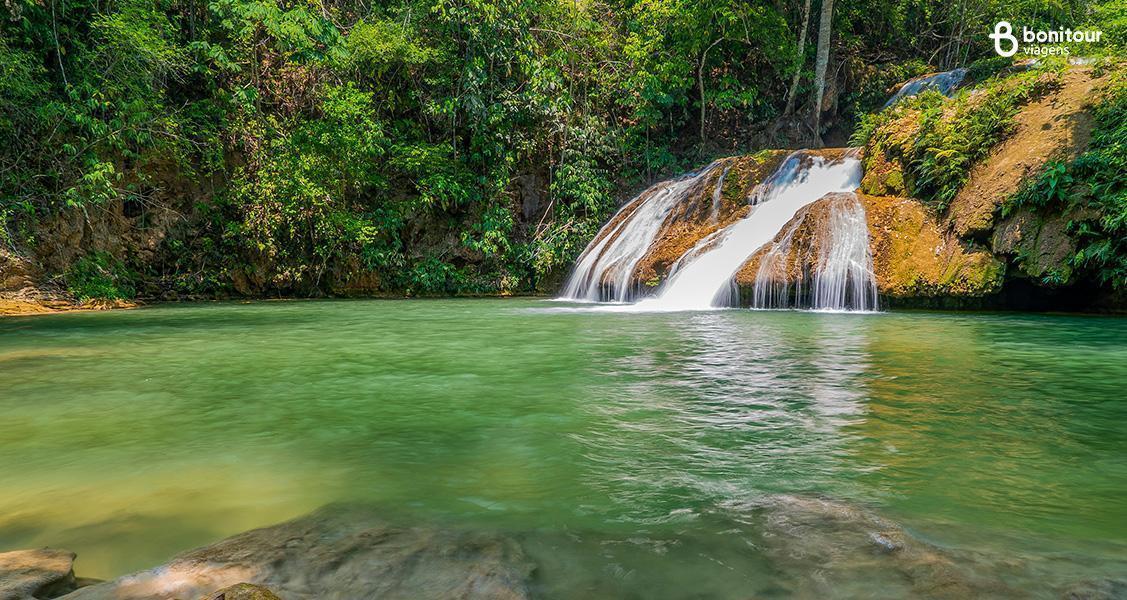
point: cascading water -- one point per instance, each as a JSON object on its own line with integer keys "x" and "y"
{"x": 943, "y": 83}
{"x": 833, "y": 272}
{"x": 606, "y": 267}
{"x": 702, "y": 278}
{"x": 717, "y": 193}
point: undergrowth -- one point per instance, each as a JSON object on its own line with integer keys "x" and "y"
{"x": 1093, "y": 188}
{"x": 98, "y": 276}
{"x": 953, "y": 134}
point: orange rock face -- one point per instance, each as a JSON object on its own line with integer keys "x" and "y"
{"x": 807, "y": 232}
{"x": 912, "y": 254}
{"x": 714, "y": 203}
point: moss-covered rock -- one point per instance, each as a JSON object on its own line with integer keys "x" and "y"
{"x": 914, "y": 256}
{"x": 1056, "y": 125}
{"x": 886, "y": 154}
{"x": 1038, "y": 244}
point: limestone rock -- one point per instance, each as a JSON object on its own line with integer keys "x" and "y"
{"x": 914, "y": 256}
{"x": 243, "y": 591}
{"x": 1040, "y": 244}
{"x": 885, "y": 156}
{"x": 338, "y": 552}
{"x": 716, "y": 202}
{"x": 15, "y": 271}
{"x": 30, "y": 574}
{"x": 1057, "y": 125}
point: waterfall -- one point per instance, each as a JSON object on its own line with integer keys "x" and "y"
{"x": 943, "y": 82}
{"x": 717, "y": 194}
{"x": 605, "y": 269}
{"x": 834, "y": 271}
{"x": 703, "y": 276}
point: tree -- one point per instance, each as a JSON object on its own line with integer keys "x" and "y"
{"x": 821, "y": 62}
{"x": 801, "y": 54}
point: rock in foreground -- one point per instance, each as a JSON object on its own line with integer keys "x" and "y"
{"x": 29, "y": 574}
{"x": 244, "y": 591}
{"x": 337, "y": 552}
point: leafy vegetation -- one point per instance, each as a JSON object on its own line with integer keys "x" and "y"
{"x": 100, "y": 276}
{"x": 1092, "y": 189}
{"x": 426, "y": 146}
{"x": 950, "y": 135}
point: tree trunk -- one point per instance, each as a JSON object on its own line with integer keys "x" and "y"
{"x": 821, "y": 62}
{"x": 801, "y": 55}
{"x": 700, "y": 84}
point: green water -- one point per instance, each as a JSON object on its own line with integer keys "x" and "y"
{"x": 131, "y": 436}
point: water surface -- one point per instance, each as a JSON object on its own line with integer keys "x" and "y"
{"x": 634, "y": 438}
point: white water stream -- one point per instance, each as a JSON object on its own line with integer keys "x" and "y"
{"x": 944, "y": 83}
{"x": 603, "y": 272}
{"x": 842, "y": 267}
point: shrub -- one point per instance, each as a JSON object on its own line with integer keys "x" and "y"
{"x": 99, "y": 276}
{"x": 953, "y": 134}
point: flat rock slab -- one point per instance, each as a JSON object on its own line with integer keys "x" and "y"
{"x": 337, "y": 552}
{"x": 29, "y": 574}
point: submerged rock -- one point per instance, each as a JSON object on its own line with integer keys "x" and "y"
{"x": 243, "y": 591}
{"x": 826, "y": 547}
{"x": 340, "y": 552}
{"x": 30, "y": 574}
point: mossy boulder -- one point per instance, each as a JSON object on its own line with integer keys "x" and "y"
{"x": 1039, "y": 244}
{"x": 914, "y": 256}
{"x": 886, "y": 154}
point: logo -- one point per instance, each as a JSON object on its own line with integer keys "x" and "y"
{"x": 1004, "y": 31}
{"x": 1033, "y": 38}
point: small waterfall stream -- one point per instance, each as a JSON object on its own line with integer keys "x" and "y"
{"x": 943, "y": 83}
{"x": 603, "y": 272}
{"x": 834, "y": 270}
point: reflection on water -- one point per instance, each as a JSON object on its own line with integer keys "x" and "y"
{"x": 621, "y": 448}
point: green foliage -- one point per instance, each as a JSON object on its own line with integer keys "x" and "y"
{"x": 953, "y": 134}
{"x": 1092, "y": 189}
{"x": 879, "y": 82}
{"x": 985, "y": 68}
{"x": 99, "y": 276}
{"x": 306, "y": 143}
{"x": 297, "y": 208}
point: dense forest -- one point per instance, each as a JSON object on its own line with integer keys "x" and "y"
{"x": 314, "y": 147}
